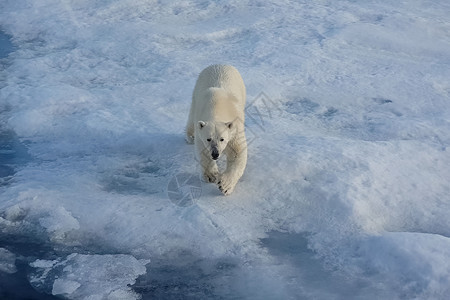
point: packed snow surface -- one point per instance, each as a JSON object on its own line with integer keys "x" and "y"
{"x": 346, "y": 193}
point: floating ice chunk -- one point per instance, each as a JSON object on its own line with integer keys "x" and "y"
{"x": 41, "y": 263}
{"x": 58, "y": 222}
{"x": 7, "y": 261}
{"x": 65, "y": 287}
{"x": 89, "y": 276}
{"x": 14, "y": 213}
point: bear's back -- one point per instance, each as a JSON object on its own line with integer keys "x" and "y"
{"x": 221, "y": 76}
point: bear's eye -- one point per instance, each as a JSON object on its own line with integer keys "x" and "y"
{"x": 209, "y": 140}
{"x": 221, "y": 139}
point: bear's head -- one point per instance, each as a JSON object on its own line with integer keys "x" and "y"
{"x": 215, "y": 136}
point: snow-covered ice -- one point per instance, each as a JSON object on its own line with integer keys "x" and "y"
{"x": 346, "y": 194}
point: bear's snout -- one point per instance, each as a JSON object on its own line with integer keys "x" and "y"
{"x": 215, "y": 153}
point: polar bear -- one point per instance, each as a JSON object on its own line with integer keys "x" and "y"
{"x": 216, "y": 124}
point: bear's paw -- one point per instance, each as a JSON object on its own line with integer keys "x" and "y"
{"x": 226, "y": 184}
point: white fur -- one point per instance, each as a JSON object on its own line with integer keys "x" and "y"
{"x": 217, "y": 114}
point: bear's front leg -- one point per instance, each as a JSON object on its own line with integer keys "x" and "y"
{"x": 210, "y": 171}
{"x": 209, "y": 167}
{"x": 236, "y": 162}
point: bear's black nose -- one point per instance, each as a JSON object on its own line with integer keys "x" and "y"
{"x": 215, "y": 154}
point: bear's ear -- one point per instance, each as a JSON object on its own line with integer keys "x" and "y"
{"x": 201, "y": 124}
{"x": 229, "y": 125}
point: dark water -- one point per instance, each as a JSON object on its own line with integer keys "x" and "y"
{"x": 6, "y": 46}
{"x": 13, "y": 154}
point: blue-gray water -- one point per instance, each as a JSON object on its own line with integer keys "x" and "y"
{"x": 6, "y": 46}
